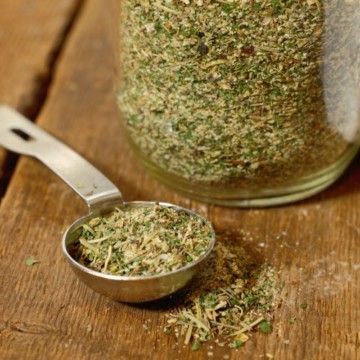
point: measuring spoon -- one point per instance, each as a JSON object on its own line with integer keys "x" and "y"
{"x": 20, "y": 135}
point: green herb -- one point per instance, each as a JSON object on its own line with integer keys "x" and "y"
{"x": 220, "y": 92}
{"x": 264, "y": 327}
{"x": 31, "y": 261}
{"x": 238, "y": 344}
{"x": 142, "y": 241}
{"x": 229, "y": 298}
{"x": 292, "y": 320}
{"x": 303, "y": 306}
{"x": 196, "y": 345}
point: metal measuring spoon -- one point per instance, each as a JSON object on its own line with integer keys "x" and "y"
{"x": 22, "y": 136}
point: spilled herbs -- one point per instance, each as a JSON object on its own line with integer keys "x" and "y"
{"x": 231, "y": 298}
{"x": 142, "y": 241}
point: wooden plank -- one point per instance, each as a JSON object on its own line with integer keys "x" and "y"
{"x": 31, "y": 35}
{"x": 314, "y": 242}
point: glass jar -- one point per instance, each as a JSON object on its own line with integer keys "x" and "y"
{"x": 241, "y": 102}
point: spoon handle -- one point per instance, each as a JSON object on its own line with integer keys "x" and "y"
{"x": 20, "y": 135}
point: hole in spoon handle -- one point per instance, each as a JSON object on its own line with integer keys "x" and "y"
{"x": 20, "y": 135}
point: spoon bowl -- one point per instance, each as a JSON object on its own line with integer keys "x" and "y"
{"x": 138, "y": 288}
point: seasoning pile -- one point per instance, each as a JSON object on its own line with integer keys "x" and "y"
{"x": 142, "y": 241}
{"x": 230, "y": 298}
{"x": 230, "y": 92}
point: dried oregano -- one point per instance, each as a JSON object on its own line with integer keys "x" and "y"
{"x": 230, "y": 91}
{"x": 142, "y": 240}
{"x": 231, "y": 298}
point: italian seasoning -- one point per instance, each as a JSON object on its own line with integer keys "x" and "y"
{"x": 142, "y": 241}
{"x": 230, "y": 92}
{"x": 230, "y": 299}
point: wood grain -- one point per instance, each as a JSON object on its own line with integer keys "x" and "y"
{"x": 48, "y": 314}
{"x": 32, "y": 33}
{"x": 30, "y": 36}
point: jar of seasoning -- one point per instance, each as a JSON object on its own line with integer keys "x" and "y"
{"x": 241, "y": 102}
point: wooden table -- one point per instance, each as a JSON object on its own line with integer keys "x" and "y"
{"x": 56, "y": 67}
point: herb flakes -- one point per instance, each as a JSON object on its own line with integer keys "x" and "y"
{"x": 264, "y": 327}
{"x": 31, "y": 261}
{"x": 142, "y": 241}
{"x": 223, "y": 93}
{"x": 229, "y": 299}
{"x": 196, "y": 345}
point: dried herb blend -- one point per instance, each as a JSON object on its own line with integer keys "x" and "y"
{"x": 228, "y": 300}
{"x": 229, "y": 92}
{"x": 142, "y": 241}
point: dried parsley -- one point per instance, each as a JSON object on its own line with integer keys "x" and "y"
{"x": 230, "y": 298}
{"x": 304, "y": 306}
{"x": 31, "y": 261}
{"x": 238, "y": 344}
{"x": 196, "y": 345}
{"x": 230, "y": 92}
{"x": 264, "y": 327}
{"x": 142, "y": 241}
